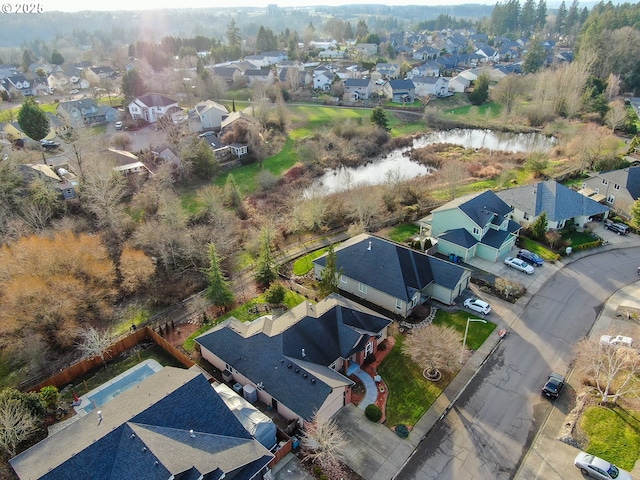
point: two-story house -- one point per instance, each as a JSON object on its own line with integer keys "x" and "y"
{"x": 619, "y": 189}
{"x": 392, "y": 276}
{"x": 85, "y": 112}
{"x": 431, "y": 86}
{"x": 95, "y": 74}
{"x": 401, "y": 91}
{"x": 476, "y": 225}
{"x": 207, "y": 115}
{"x": 358, "y": 88}
{"x": 151, "y": 106}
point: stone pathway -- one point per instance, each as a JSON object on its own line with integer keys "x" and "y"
{"x": 372, "y": 390}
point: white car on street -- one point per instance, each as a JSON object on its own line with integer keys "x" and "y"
{"x": 618, "y": 340}
{"x": 477, "y": 305}
{"x": 518, "y": 264}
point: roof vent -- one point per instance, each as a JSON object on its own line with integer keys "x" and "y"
{"x": 369, "y": 248}
{"x": 297, "y": 370}
{"x": 313, "y": 380}
{"x": 304, "y": 375}
{"x": 303, "y": 354}
{"x": 144, "y": 449}
{"x": 133, "y": 435}
{"x": 289, "y": 365}
{"x": 191, "y": 434}
{"x": 156, "y": 463}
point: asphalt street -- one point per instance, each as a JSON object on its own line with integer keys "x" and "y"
{"x": 494, "y": 421}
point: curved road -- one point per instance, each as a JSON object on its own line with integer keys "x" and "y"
{"x": 493, "y": 423}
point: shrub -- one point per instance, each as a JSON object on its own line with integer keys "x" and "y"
{"x": 402, "y": 431}
{"x": 369, "y": 359}
{"x": 382, "y": 345}
{"x": 373, "y": 412}
{"x": 317, "y": 471}
{"x": 275, "y": 293}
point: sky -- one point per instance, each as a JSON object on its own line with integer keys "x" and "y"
{"x": 109, "y": 5}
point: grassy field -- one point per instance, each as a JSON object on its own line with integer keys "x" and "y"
{"x": 402, "y": 233}
{"x": 303, "y": 265}
{"x": 614, "y": 434}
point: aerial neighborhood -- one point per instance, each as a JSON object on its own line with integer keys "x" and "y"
{"x": 285, "y": 243}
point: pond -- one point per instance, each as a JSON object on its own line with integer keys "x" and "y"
{"x": 397, "y": 166}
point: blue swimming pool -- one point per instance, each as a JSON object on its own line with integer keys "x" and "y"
{"x": 107, "y": 391}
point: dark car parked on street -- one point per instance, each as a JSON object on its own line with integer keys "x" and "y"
{"x": 554, "y": 385}
{"x": 530, "y": 257}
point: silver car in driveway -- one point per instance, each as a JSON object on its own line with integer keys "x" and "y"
{"x": 598, "y": 468}
{"x": 519, "y": 265}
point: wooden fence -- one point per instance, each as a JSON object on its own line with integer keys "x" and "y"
{"x": 68, "y": 375}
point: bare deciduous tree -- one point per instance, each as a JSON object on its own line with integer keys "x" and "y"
{"x": 17, "y": 423}
{"x": 507, "y": 287}
{"x": 323, "y": 443}
{"x": 614, "y": 85}
{"x": 614, "y": 369}
{"x": 364, "y": 203}
{"x": 452, "y": 172}
{"x": 553, "y": 237}
{"x": 94, "y": 343}
{"x": 507, "y": 91}
{"x": 434, "y": 348}
{"x": 616, "y": 117}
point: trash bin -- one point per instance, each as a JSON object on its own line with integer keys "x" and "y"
{"x": 295, "y": 442}
{"x": 569, "y": 250}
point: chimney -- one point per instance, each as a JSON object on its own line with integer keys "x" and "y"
{"x": 369, "y": 248}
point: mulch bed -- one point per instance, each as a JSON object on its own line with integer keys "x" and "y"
{"x": 372, "y": 369}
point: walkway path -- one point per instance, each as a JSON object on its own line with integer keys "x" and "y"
{"x": 370, "y": 385}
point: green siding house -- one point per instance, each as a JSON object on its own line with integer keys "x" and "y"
{"x": 476, "y": 225}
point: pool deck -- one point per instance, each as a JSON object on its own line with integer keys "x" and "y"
{"x": 85, "y": 405}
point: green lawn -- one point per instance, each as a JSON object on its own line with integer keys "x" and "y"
{"x": 241, "y": 312}
{"x": 538, "y": 249}
{"x": 303, "y": 265}
{"x": 614, "y": 434}
{"x": 578, "y": 238}
{"x": 491, "y": 109}
{"x": 410, "y": 394}
{"x": 402, "y": 233}
{"x": 478, "y": 331}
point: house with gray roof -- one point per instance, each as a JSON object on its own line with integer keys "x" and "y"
{"x": 431, "y": 86}
{"x": 207, "y": 115}
{"x": 86, "y": 112}
{"x": 618, "y": 189}
{"x": 172, "y": 425}
{"x": 394, "y": 277}
{"x": 298, "y": 362}
{"x": 358, "y": 88}
{"x": 400, "y": 91}
{"x": 560, "y": 203}
{"x": 475, "y": 225}
{"x": 152, "y": 106}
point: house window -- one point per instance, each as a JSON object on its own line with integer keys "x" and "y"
{"x": 605, "y": 181}
{"x": 476, "y": 231}
{"x": 616, "y": 186}
{"x": 526, "y": 216}
{"x": 398, "y": 304}
{"x": 343, "y": 279}
{"x": 362, "y": 288}
{"x": 597, "y": 190}
{"x": 611, "y": 199}
{"x": 584, "y": 185}
{"x": 368, "y": 349}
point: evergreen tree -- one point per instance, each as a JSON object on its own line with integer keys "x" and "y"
{"x": 57, "y": 58}
{"x": 573, "y": 17}
{"x": 219, "y": 289}
{"x": 27, "y": 59}
{"x": 132, "y": 85}
{"x": 528, "y": 18}
{"x": 379, "y": 118}
{"x": 480, "y": 93}
{"x": 534, "y": 58}
{"x": 561, "y": 18}
{"x": 362, "y": 30}
{"x": 330, "y": 275}
{"x": 541, "y": 14}
{"x": 635, "y": 213}
{"x": 539, "y": 227}
{"x": 33, "y": 121}
{"x": 266, "y": 268}
{"x": 348, "y": 31}
{"x": 233, "y": 34}
{"x": 132, "y": 50}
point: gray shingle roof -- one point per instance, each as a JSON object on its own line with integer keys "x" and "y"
{"x": 278, "y": 362}
{"x": 392, "y": 268}
{"x": 558, "y": 201}
{"x": 147, "y": 424}
{"x": 155, "y": 100}
{"x": 482, "y": 208}
{"x": 459, "y": 236}
{"x": 627, "y": 177}
{"x": 402, "y": 85}
{"x": 357, "y": 82}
